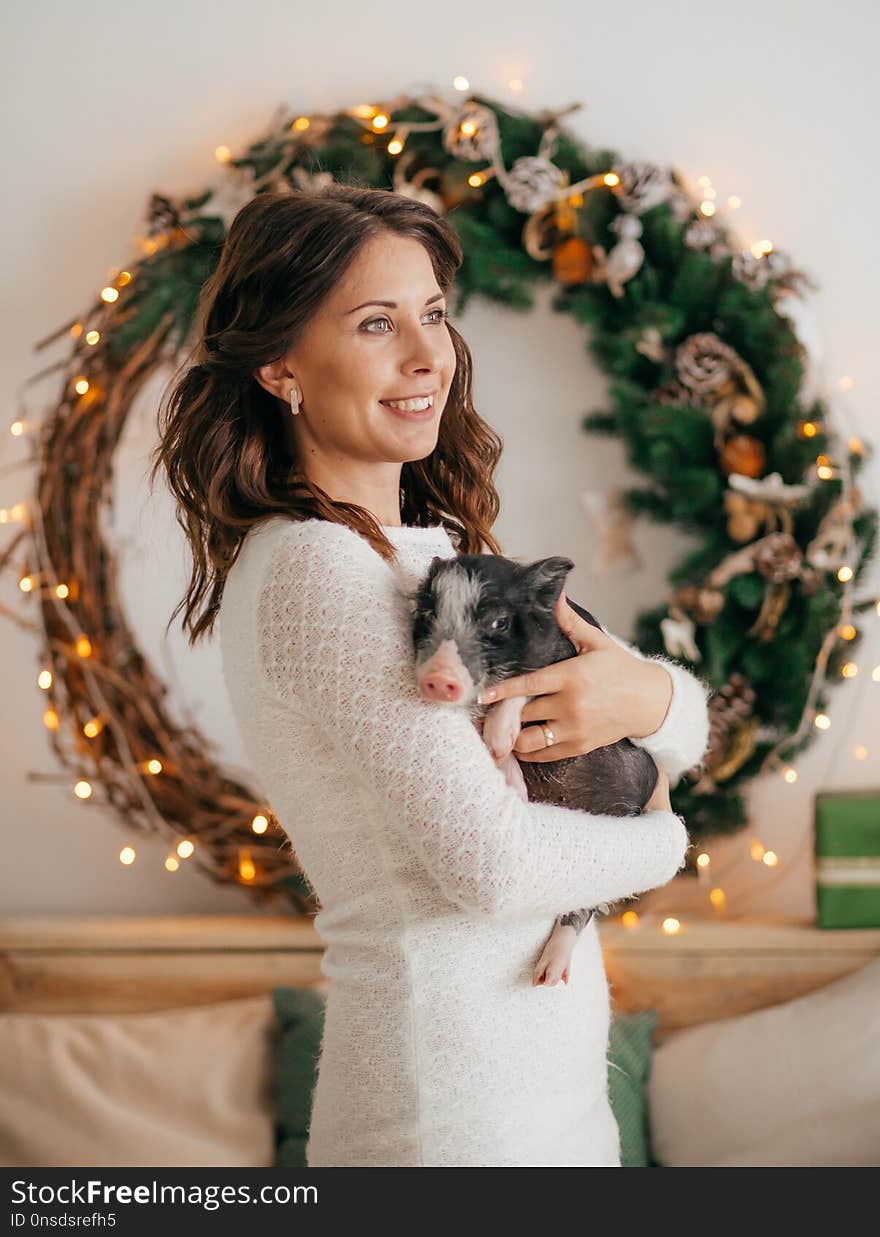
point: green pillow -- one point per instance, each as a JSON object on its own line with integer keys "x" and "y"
{"x": 300, "y": 1013}
{"x": 629, "y": 1064}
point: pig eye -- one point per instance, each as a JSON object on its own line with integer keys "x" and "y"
{"x": 502, "y": 623}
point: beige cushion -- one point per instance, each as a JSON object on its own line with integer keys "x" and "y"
{"x": 189, "y": 1087}
{"x": 793, "y": 1085}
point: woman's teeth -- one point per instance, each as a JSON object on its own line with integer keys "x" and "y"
{"x": 410, "y": 405}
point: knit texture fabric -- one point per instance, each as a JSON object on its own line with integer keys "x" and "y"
{"x": 438, "y": 885}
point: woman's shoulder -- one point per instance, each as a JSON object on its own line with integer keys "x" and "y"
{"x": 310, "y": 534}
{"x": 311, "y": 551}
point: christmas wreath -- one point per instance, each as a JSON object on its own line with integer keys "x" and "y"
{"x": 705, "y": 374}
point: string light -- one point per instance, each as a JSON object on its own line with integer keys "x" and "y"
{"x": 84, "y": 646}
{"x": 93, "y": 727}
{"x": 629, "y": 919}
{"x": 875, "y": 674}
{"x": 671, "y": 925}
{"x": 222, "y": 154}
{"x": 185, "y": 848}
{"x": 790, "y": 775}
{"x": 844, "y": 573}
{"x": 153, "y": 766}
{"x": 702, "y": 860}
{"x": 246, "y": 869}
{"x": 259, "y": 824}
{"x": 860, "y": 752}
{"x": 127, "y": 855}
{"x": 171, "y": 863}
{"x": 461, "y": 83}
{"x": 109, "y": 295}
{"x": 847, "y": 632}
{"x": 756, "y": 850}
{"x": 822, "y": 721}
{"x": 83, "y": 790}
{"x": 849, "y": 670}
{"x": 770, "y": 858}
{"x": 718, "y": 898}
{"x": 44, "y": 679}
{"x": 17, "y": 428}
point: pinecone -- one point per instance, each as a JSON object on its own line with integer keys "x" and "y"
{"x": 476, "y": 146}
{"x": 728, "y": 708}
{"x": 700, "y": 235}
{"x": 779, "y": 558}
{"x": 642, "y": 185}
{"x": 704, "y": 363}
{"x": 532, "y": 182}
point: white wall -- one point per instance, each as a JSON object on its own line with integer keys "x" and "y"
{"x": 776, "y": 102}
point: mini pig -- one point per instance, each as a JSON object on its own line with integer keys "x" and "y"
{"x": 480, "y": 618}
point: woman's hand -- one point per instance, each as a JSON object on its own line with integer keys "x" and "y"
{"x": 597, "y": 697}
{"x": 659, "y": 801}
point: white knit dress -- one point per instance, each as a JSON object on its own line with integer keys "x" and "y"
{"x": 438, "y": 884}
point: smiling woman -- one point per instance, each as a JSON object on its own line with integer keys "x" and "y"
{"x": 343, "y": 373}
{"x": 286, "y": 408}
{"x": 340, "y": 431}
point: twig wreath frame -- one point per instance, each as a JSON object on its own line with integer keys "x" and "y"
{"x": 705, "y": 372}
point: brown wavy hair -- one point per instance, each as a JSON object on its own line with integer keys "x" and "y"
{"x": 228, "y": 454}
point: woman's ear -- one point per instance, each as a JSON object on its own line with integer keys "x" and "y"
{"x": 275, "y": 377}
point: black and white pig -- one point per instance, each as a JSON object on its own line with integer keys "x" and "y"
{"x": 480, "y": 618}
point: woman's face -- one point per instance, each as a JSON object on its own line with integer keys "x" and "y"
{"x": 354, "y": 355}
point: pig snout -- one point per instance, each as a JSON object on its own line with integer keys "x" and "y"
{"x": 444, "y": 676}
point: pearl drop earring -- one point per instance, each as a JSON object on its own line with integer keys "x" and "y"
{"x": 294, "y": 400}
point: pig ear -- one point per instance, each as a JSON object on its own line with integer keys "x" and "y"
{"x": 546, "y": 577}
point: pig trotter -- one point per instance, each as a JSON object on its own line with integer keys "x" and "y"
{"x": 502, "y": 725}
{"x": 555, "y": 961}
{"x": 512, "y": 770}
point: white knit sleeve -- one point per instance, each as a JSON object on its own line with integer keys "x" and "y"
{"x": 334, "y": 635}
{"x": 683, "y": 736}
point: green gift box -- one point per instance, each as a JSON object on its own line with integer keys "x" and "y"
{"x": 847, "y": 831}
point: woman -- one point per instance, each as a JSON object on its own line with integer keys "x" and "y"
{"x": 308, "y": 499}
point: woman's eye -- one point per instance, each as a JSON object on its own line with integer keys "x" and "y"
{"x": 443, "y": 315}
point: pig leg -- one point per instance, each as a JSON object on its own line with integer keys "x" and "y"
{"x": 503, "y": 723}
{"x": 555, "y": 961}
{"x": 510, "y": 767}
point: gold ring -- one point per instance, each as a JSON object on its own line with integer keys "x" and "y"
{"x": 548, "y": 735}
